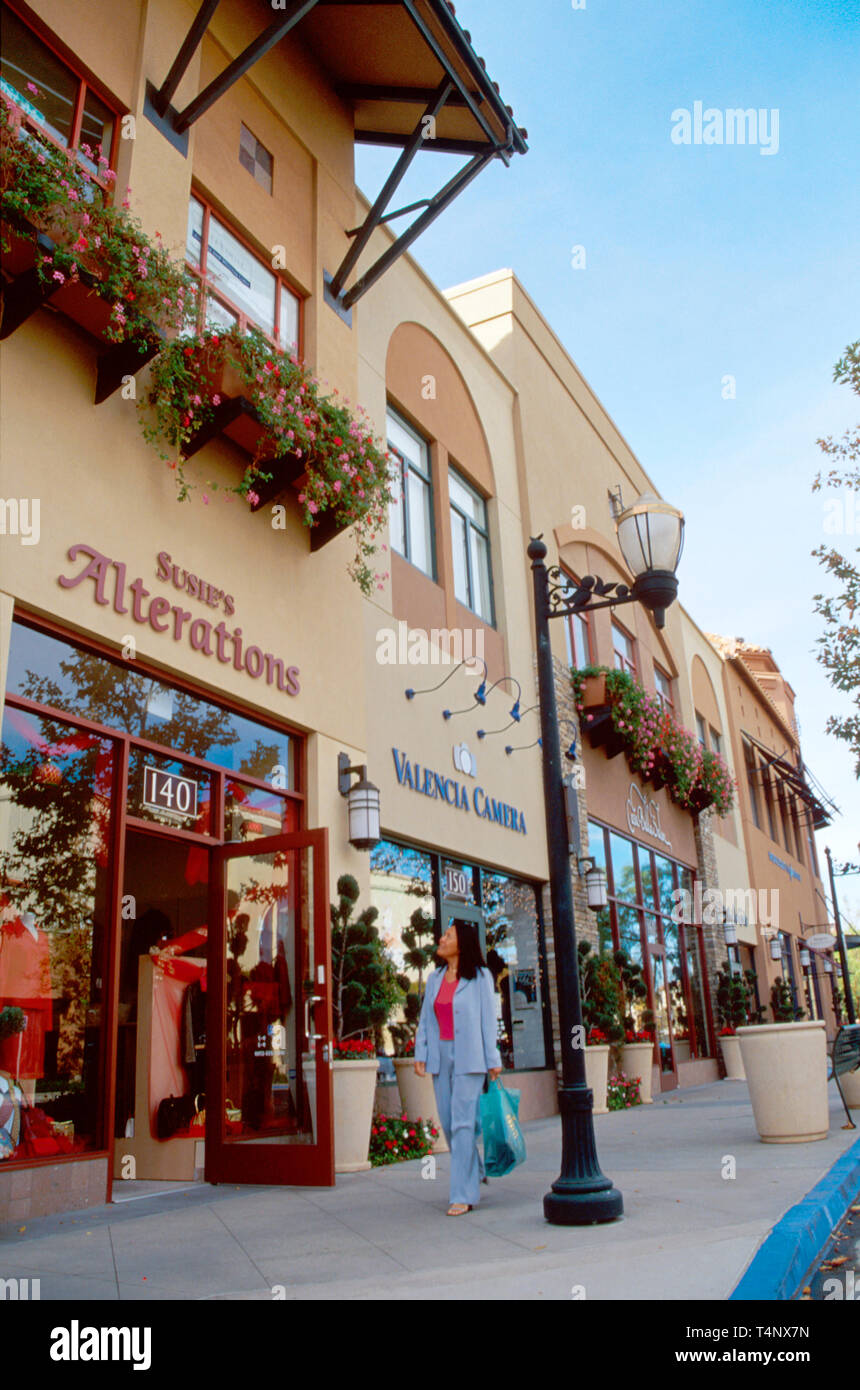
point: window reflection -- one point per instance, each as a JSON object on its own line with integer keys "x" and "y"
{"x": 56, "y": 673}
{"x": 55, "y": 786}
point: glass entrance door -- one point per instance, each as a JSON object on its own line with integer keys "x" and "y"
{"x": 269, "y": 1088}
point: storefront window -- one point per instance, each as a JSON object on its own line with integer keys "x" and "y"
{"x": 639, "y": 917}
{"x": 513, "y": 955}
{"x": 402, "y": 880}
{"x": 55, "y": 812}
{"x": 115, "y": 694}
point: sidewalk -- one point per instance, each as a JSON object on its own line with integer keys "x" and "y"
{"x": 687, "y": 1233}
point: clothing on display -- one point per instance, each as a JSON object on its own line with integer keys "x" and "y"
{"x": 25, "y": 982}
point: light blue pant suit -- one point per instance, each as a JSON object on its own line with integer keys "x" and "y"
{"x": 458, "y": 1069}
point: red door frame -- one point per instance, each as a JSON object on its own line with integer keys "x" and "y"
{"x": 231, "y": 1160}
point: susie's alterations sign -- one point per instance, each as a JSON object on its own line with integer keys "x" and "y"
{"x": 161, "y": 614}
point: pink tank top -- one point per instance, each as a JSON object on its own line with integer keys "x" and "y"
{"x": 444, "y": 1007}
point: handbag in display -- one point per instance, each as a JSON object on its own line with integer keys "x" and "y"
{"x": 174, "y": 1113}
{"x": 198, "y": 1119}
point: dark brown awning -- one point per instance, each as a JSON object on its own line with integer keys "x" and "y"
{"x": 412, "y": 78}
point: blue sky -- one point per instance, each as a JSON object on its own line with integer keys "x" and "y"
{"x": 702, "y": 261}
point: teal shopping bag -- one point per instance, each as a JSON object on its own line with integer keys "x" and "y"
{"x": 504, "y": 1145}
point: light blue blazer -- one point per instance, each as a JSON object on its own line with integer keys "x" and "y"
{"x": 475, "y": 1047}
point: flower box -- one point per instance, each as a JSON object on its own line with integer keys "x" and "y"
{"x": 637, "y": 1060}
{"x": 597, "y": 1075}
{"x": 77, "y": 296}
{"x": 594, "y": 692}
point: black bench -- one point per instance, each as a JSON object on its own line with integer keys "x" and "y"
{"x": 845, "y": 1058}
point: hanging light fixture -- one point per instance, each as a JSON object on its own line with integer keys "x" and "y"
{"x": 595, "y": 883}
{"x": 651, "y": 538}
{"x": 730, "y": 933}
{"x": 775, "y": 948}
{"x": 804, "y": 956}
{"x": 362, "y": 803}
{"x": 828, "y": 966}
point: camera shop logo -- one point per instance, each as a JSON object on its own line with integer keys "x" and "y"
{"x": 76, "y": 1343}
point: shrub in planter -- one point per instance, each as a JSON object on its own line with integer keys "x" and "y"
{"x": 600, "y": 992}
{"x": 420, "y": 948}
{"x": 364, "y": 986}
{"x": 345, "y": 470}
{"x": 782, "y": 1004}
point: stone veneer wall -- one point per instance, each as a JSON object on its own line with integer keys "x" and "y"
{"x": 713, "y": 939}
{"x": 586, "y": 926}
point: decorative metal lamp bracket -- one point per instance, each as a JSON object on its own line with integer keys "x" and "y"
{"x": 562, "y": 603}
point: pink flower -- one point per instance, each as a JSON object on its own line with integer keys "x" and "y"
{"x": 58, "y": 275}
{"x": 313, "y": 508}
{"x": 253, "y": 498}
{"x": 216, "y": 400}
{"x": 31, "y": 87}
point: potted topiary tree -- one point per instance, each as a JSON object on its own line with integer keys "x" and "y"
{"x": 364, "y": 992}
{"x": 733, "y": 998}
{"x": 417, "y": 1095}
{"x": 786, "y": 1070}
{"x": 637, "y": 1053}
{"x": 600, "y": 992}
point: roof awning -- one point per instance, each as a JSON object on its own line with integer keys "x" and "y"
{"x": 414, "y": 82}
{"x": 796, "y": 779}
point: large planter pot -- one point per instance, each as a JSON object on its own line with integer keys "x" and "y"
{"x": 786, "y": 1070}
{"x": 354, "y": 1089}
{"x": 734, "y": 1063}
{"x": 597, "y": 1075}
{"x": 637, "y": 1060}
{"x": 850, "y": 1084}
{"x": 418, "y": 1098}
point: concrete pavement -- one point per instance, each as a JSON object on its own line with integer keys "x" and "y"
{"x": 689, "y": 1229}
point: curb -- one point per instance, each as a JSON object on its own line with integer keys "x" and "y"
{"x": 782, "y": 1261}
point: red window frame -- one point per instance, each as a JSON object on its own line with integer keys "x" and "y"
{"x": 24, "y": 118}
{"x": 628, "y": 664}
{"x": 666, "y": 701}
{"x": 208, "y": 287}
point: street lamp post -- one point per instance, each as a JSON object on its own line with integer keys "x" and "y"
{"x": 650, "y": 535}
{"x": 843, "y": 955}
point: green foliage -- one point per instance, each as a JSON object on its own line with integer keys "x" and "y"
{"x": 418, "y": 938}
{"x": 12, "y": 1021}
{"x": 394, "y": 1139}
{"x": 733, "y": 1000}
{"x": 346, "y": 471}
{"x": 782, "y": 1004}
{"x": 654, "y": 741}
{"x": 633, "y": 991}
{"x": 839, "y": 646}
{"x": 622, "y": 1092}
{"x": 365, "y": 986}
{"x": 48, "y": 190}
{"x": 600, "y": 991}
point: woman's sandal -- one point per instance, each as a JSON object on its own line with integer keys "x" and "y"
{"x": 458, "y": 1209}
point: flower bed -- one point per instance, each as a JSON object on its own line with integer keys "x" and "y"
{"x": 657, "y": 746}
{"x": 623, "y": 1092}
{"x": 61, "y": 221}
{"x": 394, "y": 1140}
{"x": 342, "y": 471}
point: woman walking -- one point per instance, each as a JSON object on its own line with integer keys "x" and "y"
{"x": 456, "y": 1043}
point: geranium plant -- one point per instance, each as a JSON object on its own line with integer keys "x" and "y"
{"x": 49, "y": 190}
{"x": 622, "y": 1092}
{"x": 354, "y": 1049}
{"x": 394, "y": 1139}
{"x": 654, "y": 740}
{"x": 345, "y": 470}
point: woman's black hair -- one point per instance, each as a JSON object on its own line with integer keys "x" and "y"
{"x": 469, "y": 944}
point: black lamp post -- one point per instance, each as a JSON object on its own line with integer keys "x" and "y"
{"x": 650, "y": 535}
{"x": 846, "y": 979}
